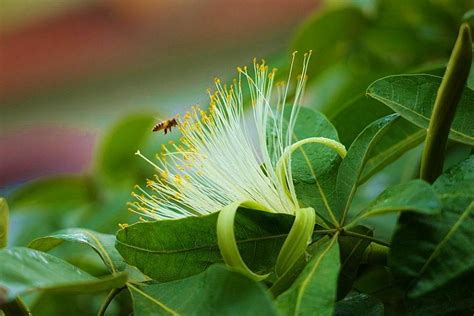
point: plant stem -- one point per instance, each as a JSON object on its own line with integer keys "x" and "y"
{"x": 447, "y": 99}
{"x": 372, "y": 239}
{"x": 325, "y": 231}
{"x": 108, "y": 299}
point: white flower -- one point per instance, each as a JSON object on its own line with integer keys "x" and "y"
{"x": 217, "y": 162}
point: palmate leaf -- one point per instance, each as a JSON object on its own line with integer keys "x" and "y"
{"x": 103, "y": 244}
{"x": 26, "y": 270}
{"x": 314, "y": 291}
{"x": 353, "y": 164}
{"x": 217, "y": 291}
{"x": 167, "y": 250}
{"x": 413, "y": 97}
{"x": 314, "y": 165}
{"x": 429, "y": 251}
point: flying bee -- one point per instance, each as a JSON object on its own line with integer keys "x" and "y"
{"x": 165, "y": 126}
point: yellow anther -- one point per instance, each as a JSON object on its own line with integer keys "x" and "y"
{"x": 123, "y": 226}
{"x": 177, "y": 179}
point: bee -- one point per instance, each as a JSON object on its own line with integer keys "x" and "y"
{"x": 165, "y": 126}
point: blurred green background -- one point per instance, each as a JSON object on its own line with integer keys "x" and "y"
{"x": 83, "y": 82}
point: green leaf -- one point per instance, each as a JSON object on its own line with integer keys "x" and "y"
{"x": 470, "y": 80}
{"x": 359, "y": 305}
{"x": 167, "y": 250}
{"x": 103, "y": 244}
{"x": 119, "y": 146}
{"x": 58, "y": 193}
{"x": 351, "y": 118}
{"x": 351, "y": 252}
{"x": 331, "y": 35}
{"x": 26, "y": 270}
{"x": 415, "y": 195}
{"x": 413, "y": 96}
{"x": 48, "y": 204}
{"x": 400, "y": 137}
{"x": 314, "y": 291}
{"x": 454, "y": 298}
{"x": 353, "y": 164}
{"x": 429, "y": 251}
{"x": 3, "y": 223}
{"x": 377, "y": 280}
{"x": 314, "y": 165}
{"x": 111, "y": 209}
{"x": 217, "y": 291}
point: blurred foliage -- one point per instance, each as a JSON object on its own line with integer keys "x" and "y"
{"x": 22, "y": 12}
{"x": 353, "y": 44}
{"x": 356, "y": 42}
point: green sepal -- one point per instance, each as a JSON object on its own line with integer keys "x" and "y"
{"x": 228, "y": 244}
{"x": 295, "y": 244}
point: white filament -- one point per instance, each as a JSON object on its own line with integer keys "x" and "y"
{"x": 217, "y": 162}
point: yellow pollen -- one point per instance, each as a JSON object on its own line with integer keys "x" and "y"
{"x": 177, "y": 178}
